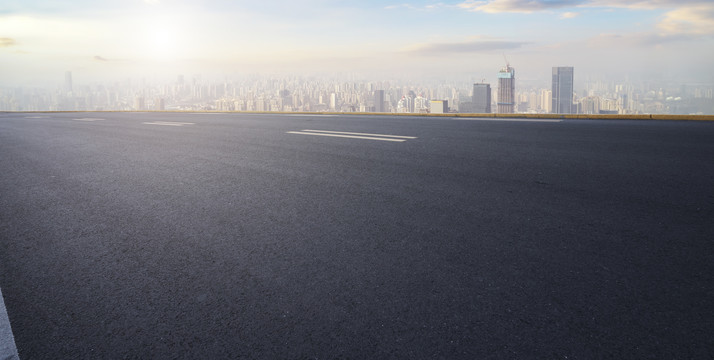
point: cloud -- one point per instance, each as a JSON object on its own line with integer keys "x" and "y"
{"x": 693, "y": 21}
{"x": 689, "y": 17}
{"x": 464, "y": 47}
{"x": 697, "y": 19}
{"x": 530, "y": 6}
{"x": 644, "y": 4}
{"x": 643, "y": 40}
{"x": 517, "y": 6}
{"x": 7, "y": 42}
{"x": 413, "y": 7}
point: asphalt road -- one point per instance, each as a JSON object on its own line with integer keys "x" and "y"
{"x": 145, "y": 235}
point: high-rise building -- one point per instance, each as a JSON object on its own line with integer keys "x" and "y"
{"x": 562, "y": 90}
{"x": 159, "y": 104}
{"x": 139, "y": 103}
{"x": 546, "y": 100}
{"x": 411, "y": 95}
{"x": 333, "y": 101}
{"x": 379, "y": 101}
{"x": 506, "y": 90}
{"x": 421, "y": 105}
{"x": 403, "y": 104}
{"x": 481, "y": 98}
{"x": 439, "y": 106}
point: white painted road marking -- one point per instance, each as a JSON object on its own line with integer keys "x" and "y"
{"x": 37, "y": 117}
{"x": 315, "y": 115}
{"x": 352, "y": 135}
{"x": 88, "y": 119}
{"x": 346, "y": 136}
{"x": 365, "y": 134}
{"x": 168, "y": 123}
{"x": 507, "y": 119}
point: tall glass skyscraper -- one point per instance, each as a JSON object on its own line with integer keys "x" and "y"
{"x": 379, "y": 101}
{"x": 506, "y": 90}
{"x": 481, "y": 98}
{"x": 563, "y": 90}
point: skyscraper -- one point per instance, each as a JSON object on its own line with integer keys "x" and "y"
{"x": 411, "y": 95}
{"x": 333, "y": 101}
{"x": 379, "y": 101}
{"x": 506, "y": 90}
{"x": 481, "y": 98}
{"x": 562, "y": 90}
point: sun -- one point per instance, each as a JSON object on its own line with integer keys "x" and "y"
{"x": 163, "y": 44}
{"x": 162, "y": 41}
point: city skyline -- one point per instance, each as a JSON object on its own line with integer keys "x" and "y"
{"x": 320, "y": 93}
{"x": 154, "y": 38}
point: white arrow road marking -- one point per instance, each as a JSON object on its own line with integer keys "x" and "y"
{"x": 168, "y": 123}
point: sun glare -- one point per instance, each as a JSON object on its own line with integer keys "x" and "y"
{"x": 162, "y": 41}
{"x": 163, "y": 44}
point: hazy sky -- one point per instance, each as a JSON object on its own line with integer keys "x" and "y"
{"x": 42, "y": 39}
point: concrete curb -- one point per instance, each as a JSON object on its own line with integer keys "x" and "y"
{"x": 8, "y": 350}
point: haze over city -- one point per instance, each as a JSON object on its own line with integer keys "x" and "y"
{"x": 40, "y": 40}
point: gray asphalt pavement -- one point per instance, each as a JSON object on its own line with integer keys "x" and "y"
{"x": 160, "y": 235}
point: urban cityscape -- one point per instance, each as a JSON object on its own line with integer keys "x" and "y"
{"x": 335, "y": 93}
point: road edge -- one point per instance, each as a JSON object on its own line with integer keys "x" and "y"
{"x": 8, "y": 350}
{"x": 702, "y": 117}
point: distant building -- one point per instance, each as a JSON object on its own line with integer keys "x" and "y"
{"x": 481, "y": 98}
{"x": 420, "y": 104}
{"x": 404, "y": 104}
{"x": 159, "y": 104}
{"x": 546, "y": 100}
{"x": 139, "y": 103}
{"x": 411, "y": 96}
{"x": 68, "y": 81}
{"x": 286, "y": 100}
{"x": 333, "y": 101}
{"x": 562, "y": 92}
{"x": 506, "y": 90}
{"x": 379, "y": 101}
{"x": 439, "y": 106}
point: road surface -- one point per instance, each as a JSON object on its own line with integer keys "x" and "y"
{"x": 171, "y": 235}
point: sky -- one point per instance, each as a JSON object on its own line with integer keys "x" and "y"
{"x": 41, "y": 39}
